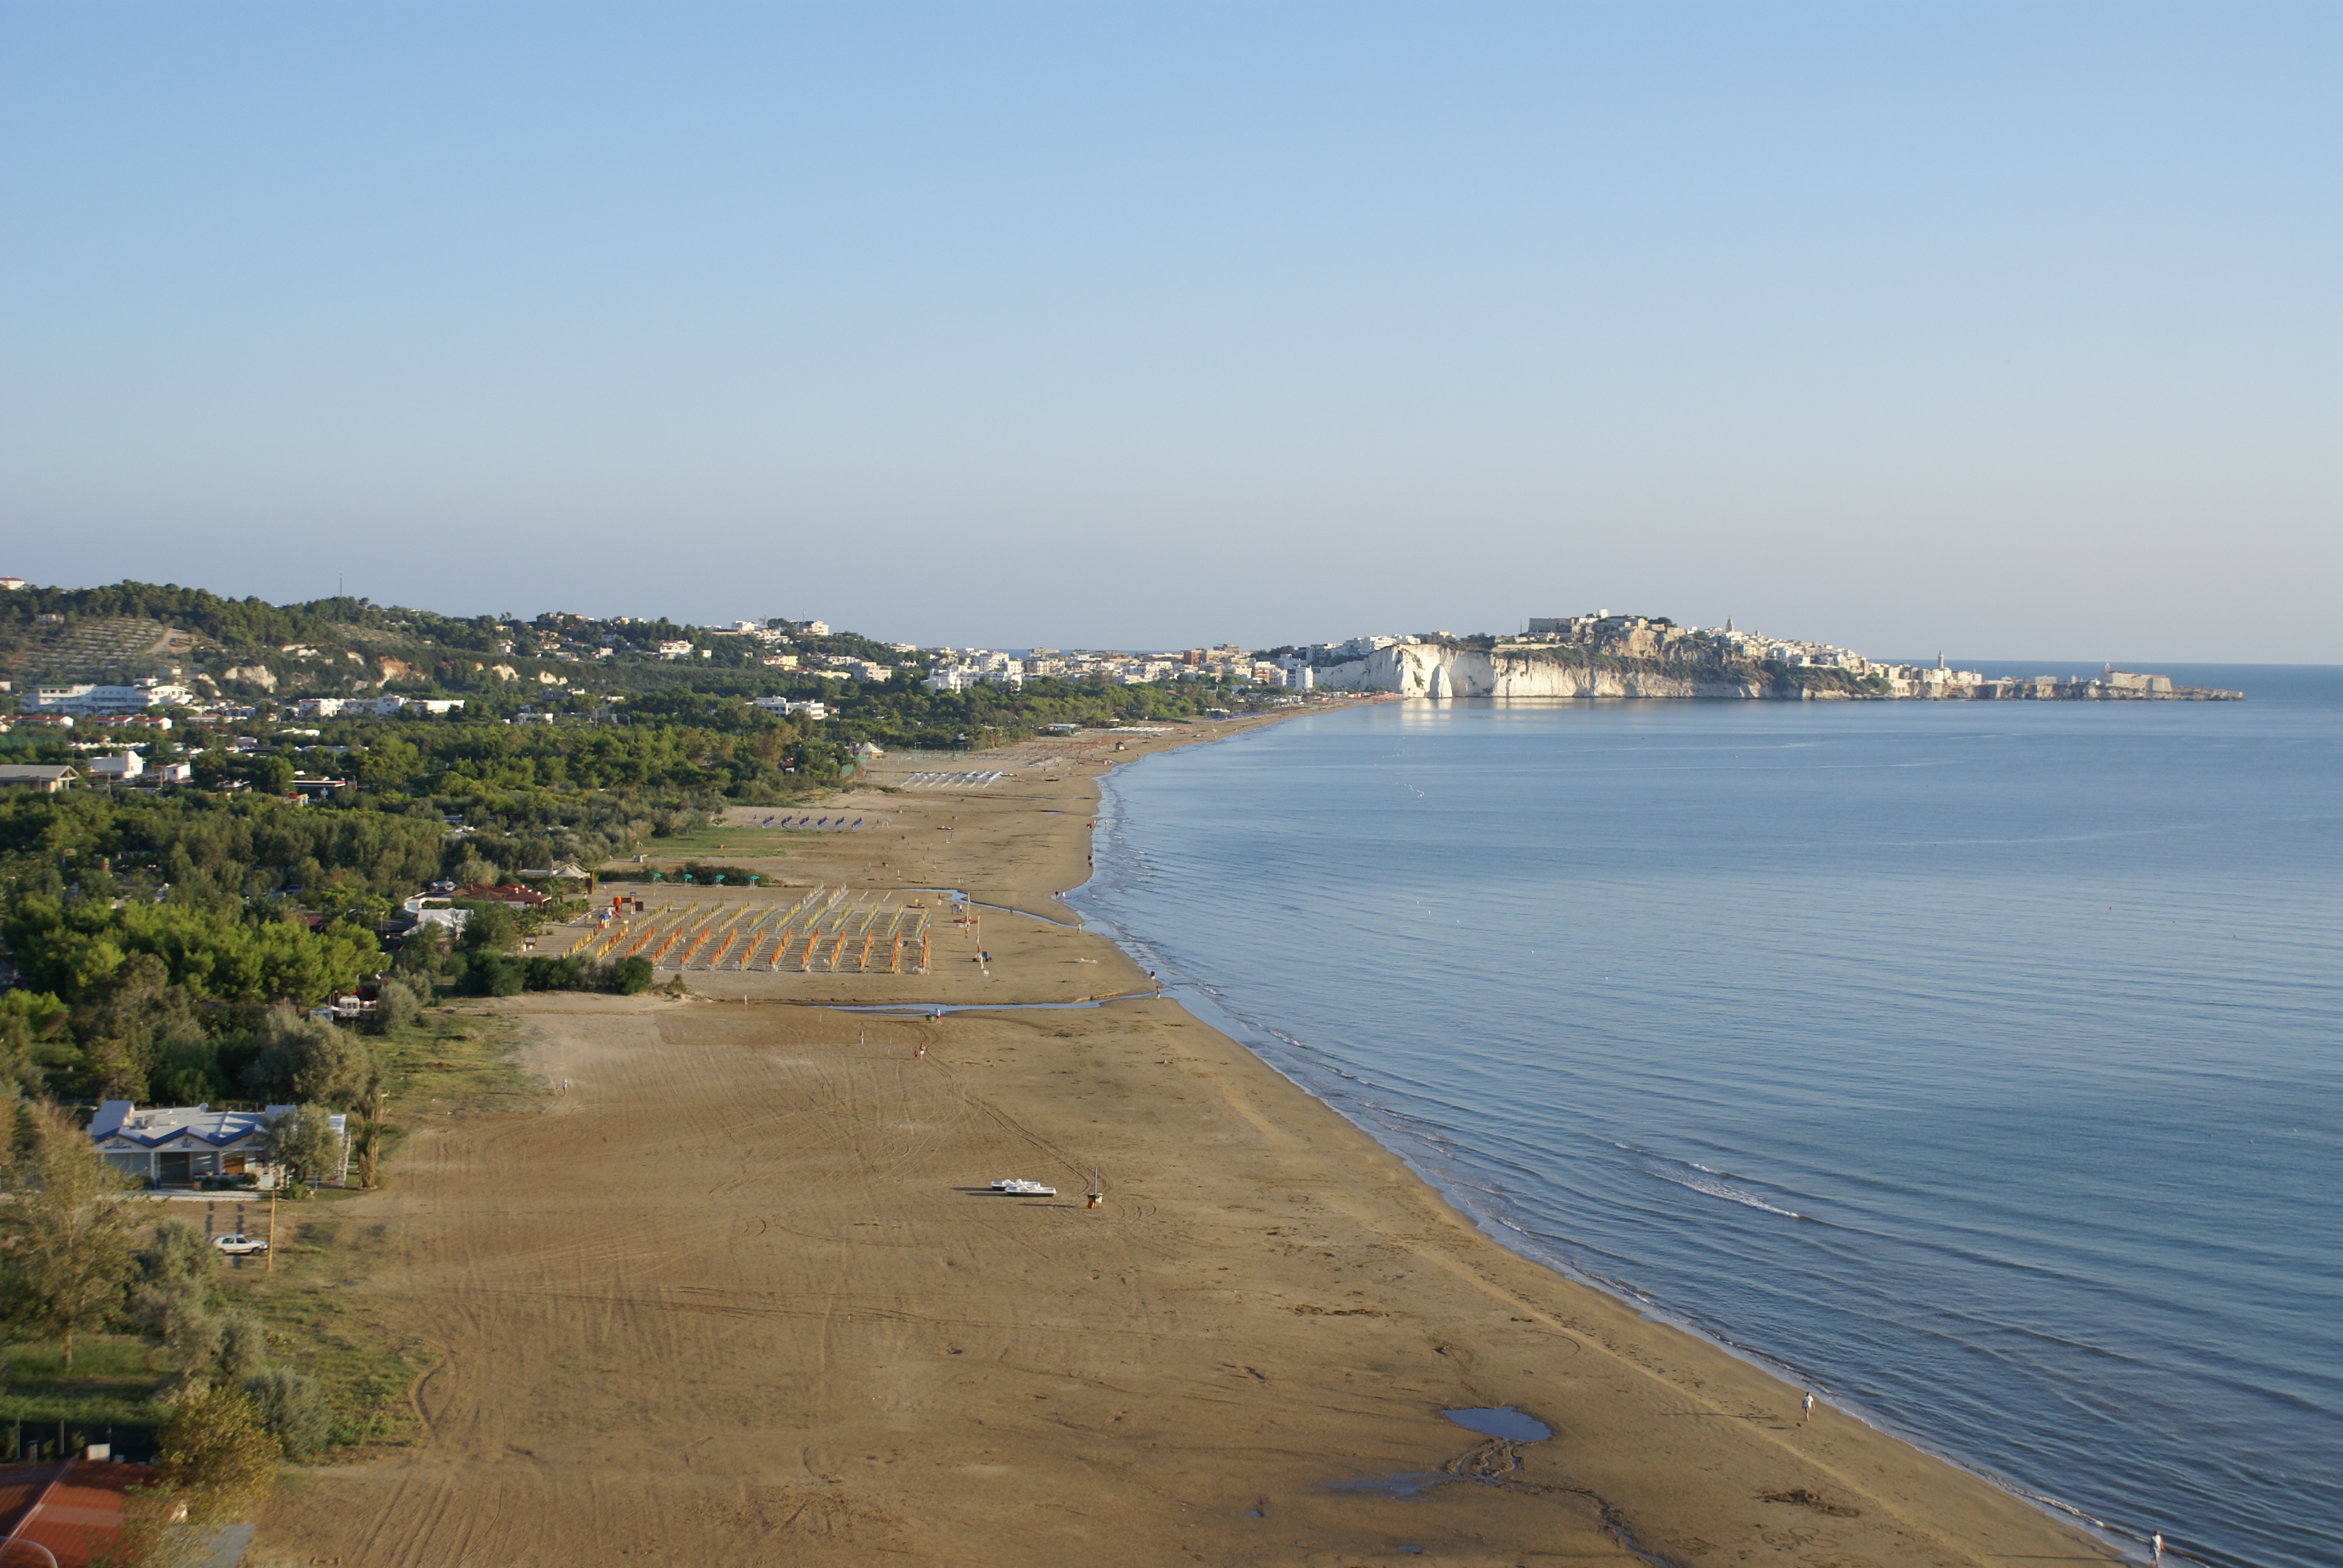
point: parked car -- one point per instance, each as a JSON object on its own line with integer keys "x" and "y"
{"x": 236, "y": 1244}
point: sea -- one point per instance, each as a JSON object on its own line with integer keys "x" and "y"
{"x": 1978, "y": 1066}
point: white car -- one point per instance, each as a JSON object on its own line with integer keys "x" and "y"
{"x": 236, "y": 1244}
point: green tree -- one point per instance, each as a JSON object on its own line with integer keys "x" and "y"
{"x": 134, "y": 1019}
{"x": 64, "y": 1240}
{"x": 216, "y": 1456}
{"x": 273, "y": 776}
{"x": 307, "y": 1060}
{"x": 303, "y": 1141}
{"x": 490, "y": 927}
{"x": 497, "y": 974}
{"x": 18, "y": 1065}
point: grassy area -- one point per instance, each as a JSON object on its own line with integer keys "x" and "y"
{"x": 310, "y": 1294}
{"x": 702, "y": 843}
{"x": 458, "y": 1057}
{"x": 321, "y": 1318}
{"x": 111, "y": 1381}
{"x": 319, "y": 1324}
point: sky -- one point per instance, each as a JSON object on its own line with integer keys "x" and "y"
{"x": 2011, "y": 330}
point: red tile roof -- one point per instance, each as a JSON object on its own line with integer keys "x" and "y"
{"x": 72, "y": 1509}
{"x": 503, "y": 893}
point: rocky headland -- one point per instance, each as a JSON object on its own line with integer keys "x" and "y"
{"x": 1621, "y": 656}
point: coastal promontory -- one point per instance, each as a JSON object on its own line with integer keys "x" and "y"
{"x": 1608, "y": 656}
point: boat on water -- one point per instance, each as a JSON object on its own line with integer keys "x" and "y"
{"x": 1017, "y": 1188}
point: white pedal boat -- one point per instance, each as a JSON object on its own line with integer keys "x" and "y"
{"x": 1017, "y": 1188}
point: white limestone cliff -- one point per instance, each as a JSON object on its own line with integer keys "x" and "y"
{"x": 1434, "y": 671}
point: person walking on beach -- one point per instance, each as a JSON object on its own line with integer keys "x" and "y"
{"x": 1807, "y": 1408}
{"x": 2158, "y": 1542}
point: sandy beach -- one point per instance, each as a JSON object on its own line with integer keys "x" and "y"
{"x": 741, "y": 1295}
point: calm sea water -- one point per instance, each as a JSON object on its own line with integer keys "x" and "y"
{"x": 1979, "y": 1066}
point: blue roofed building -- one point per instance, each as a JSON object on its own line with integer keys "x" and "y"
{"x": 185, "y": 1146}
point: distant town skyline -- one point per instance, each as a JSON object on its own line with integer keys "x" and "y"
{"x": 2006, "y": 331}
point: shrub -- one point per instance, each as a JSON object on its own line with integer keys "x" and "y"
{"x": 178, "y": 1251}
{"x": 291, "y": 1409}
{"x": 709, "y": 875}
{"x": 554, "y": 974}
{"x": 396, "y": 1007}
{"x": 631, "y": 977}
{"x": 243, "y": 1348}
{"x": 171, "y": 1312}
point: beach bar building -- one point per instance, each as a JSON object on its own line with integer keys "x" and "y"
{"x": 183, "y": 1145}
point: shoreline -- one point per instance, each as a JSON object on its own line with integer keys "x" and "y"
{"x": 1210, "y": 1011}
{"x": 741, "y": 1295}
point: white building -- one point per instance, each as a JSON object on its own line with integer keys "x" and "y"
{"x": 47, "y": 778}
{"x": 85, "y": 698}
{"x": 675, "y": 650}
{"x": 430, "y": 909}
{"x": 182, "y": 1145}
{"x": 126, "y": 766}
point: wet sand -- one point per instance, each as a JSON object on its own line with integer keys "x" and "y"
{"x": 741, "y": 1295}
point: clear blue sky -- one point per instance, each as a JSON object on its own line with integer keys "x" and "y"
{"x": 2012, "y": 330}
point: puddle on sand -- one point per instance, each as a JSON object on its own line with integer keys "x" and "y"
{"x": 1504, "y": 1422}
{"x": 1408, "y": 1484}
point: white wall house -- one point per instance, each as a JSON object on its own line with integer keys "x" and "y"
{"x": 430, "y": 909}
{"x": 181, "y": 1145}
{"x": 85, "y": 697}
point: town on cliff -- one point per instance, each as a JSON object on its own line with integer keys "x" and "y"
{"x": 1606, "y": 655}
